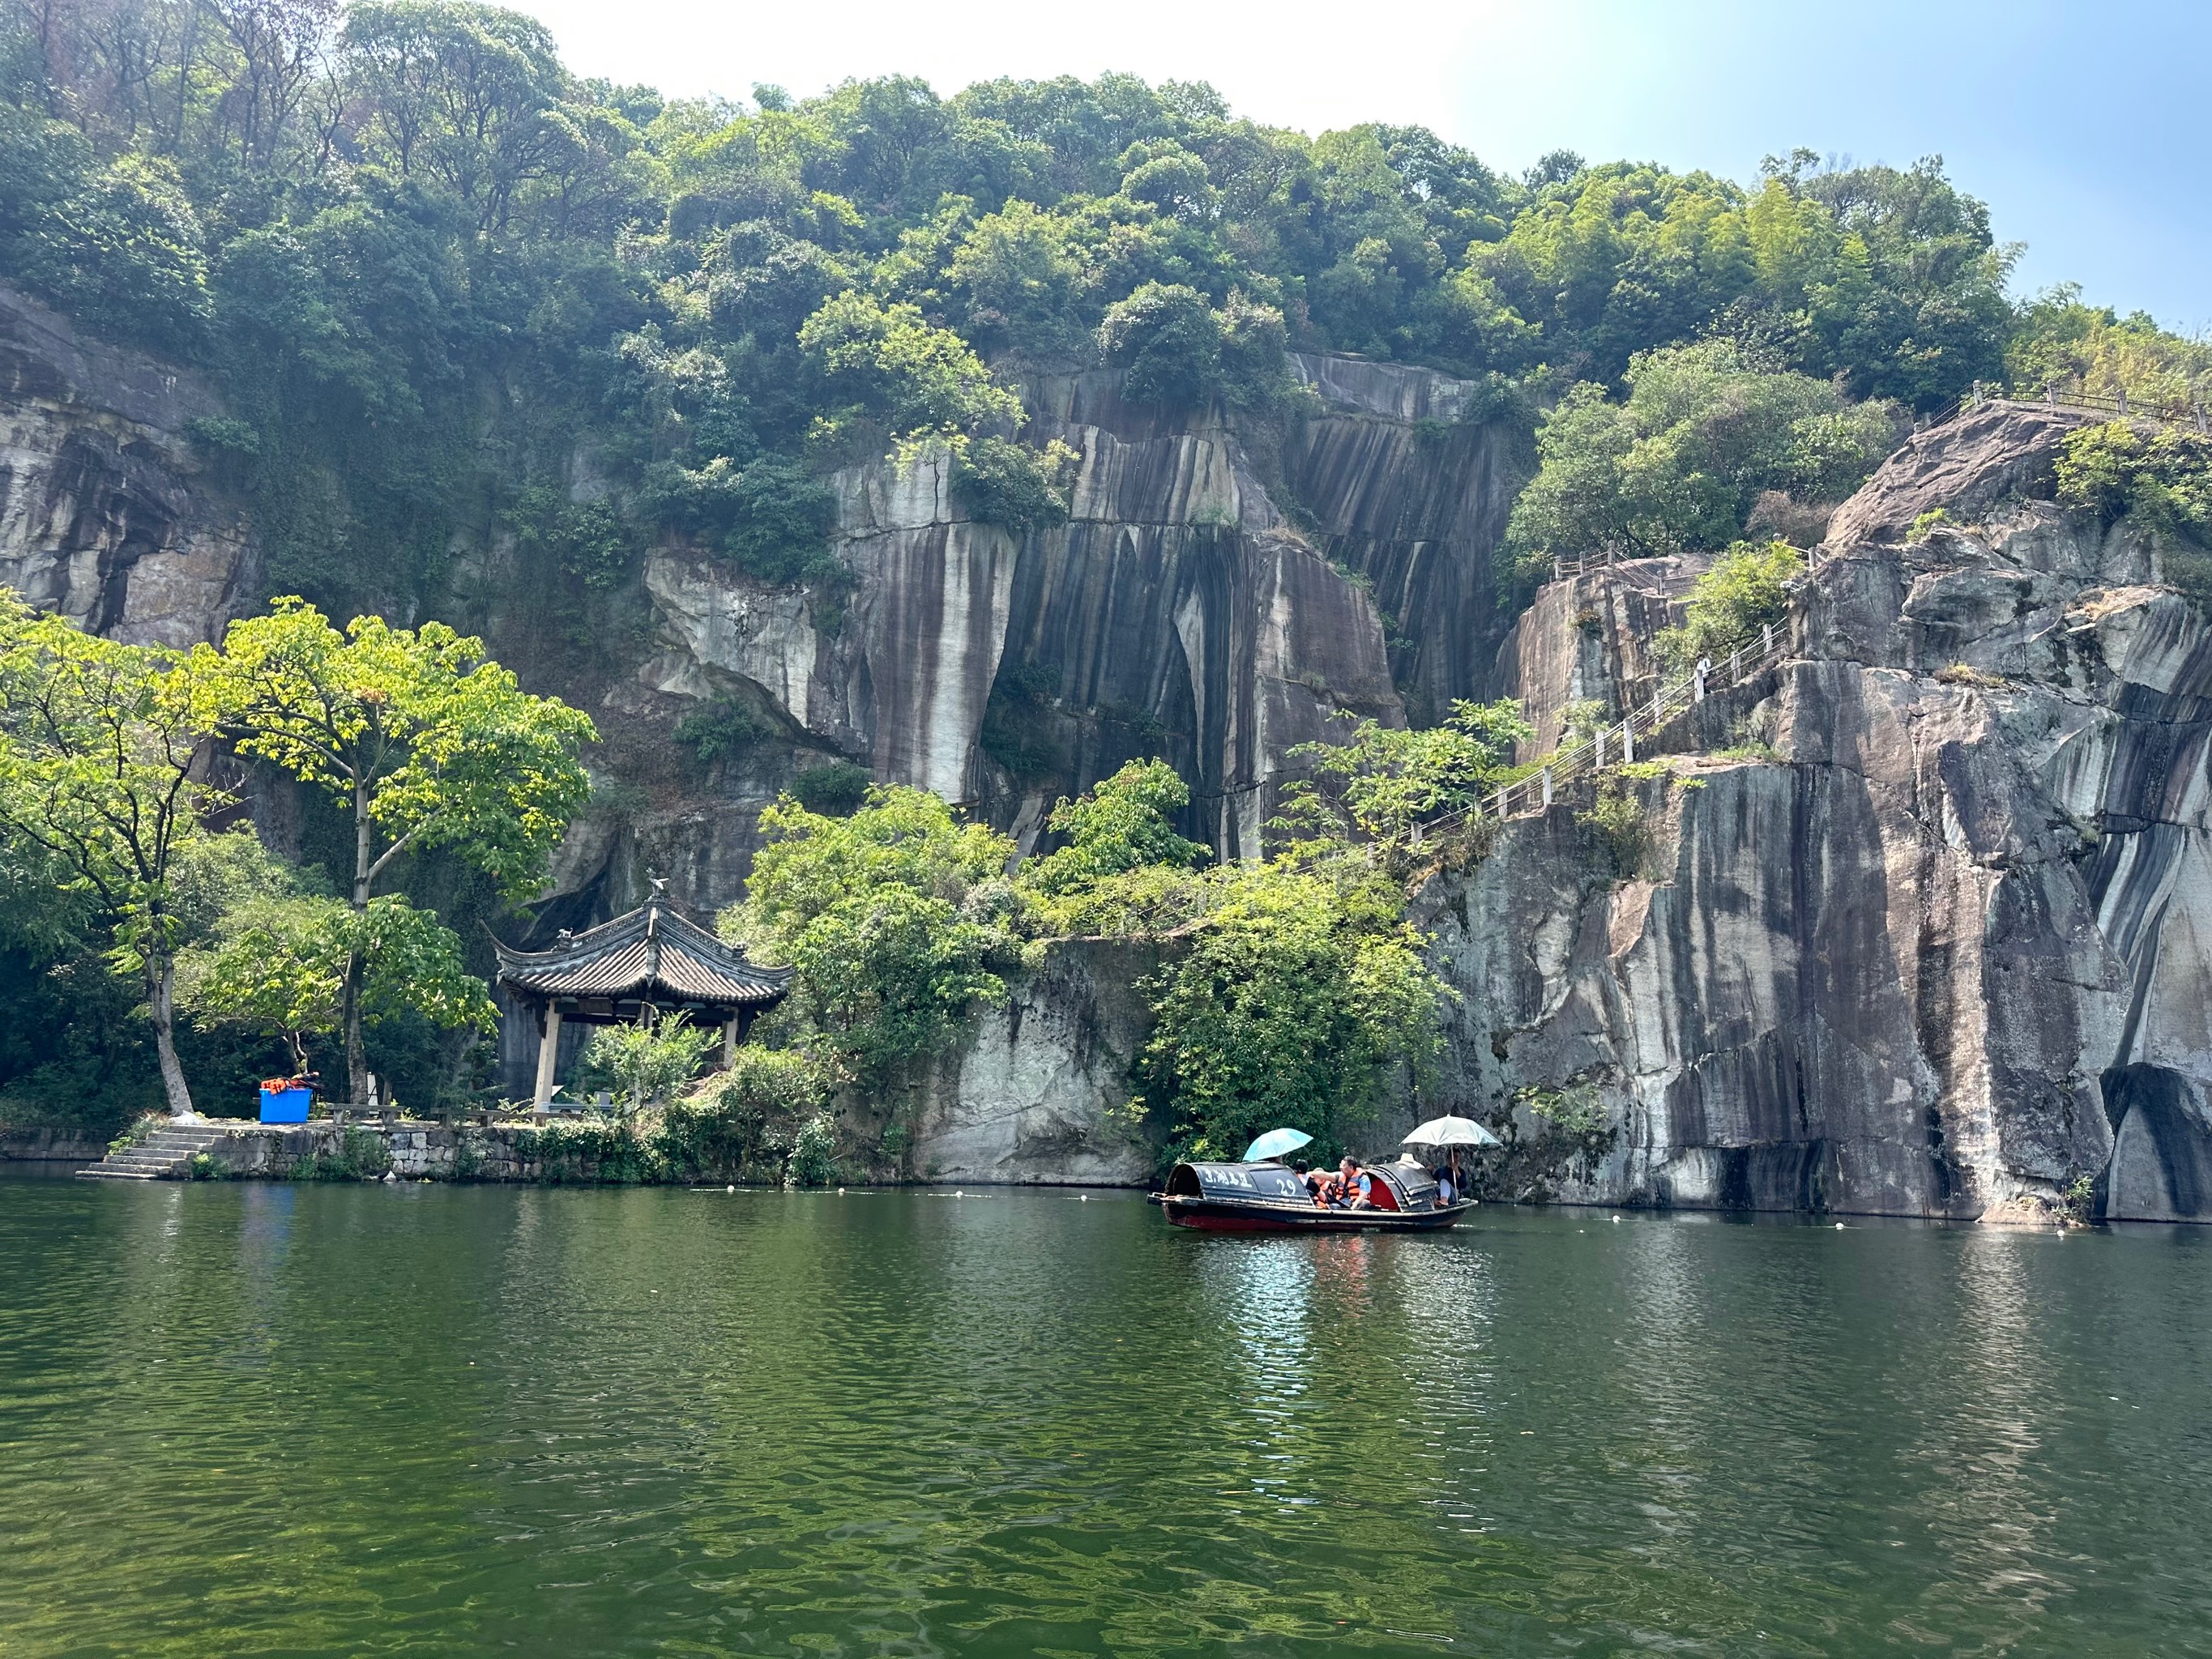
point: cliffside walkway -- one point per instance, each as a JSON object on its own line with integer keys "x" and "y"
{"x": 1615, "y": 742}
{"x": 1676, "y": 697}
{"x": 2174, "y": 415}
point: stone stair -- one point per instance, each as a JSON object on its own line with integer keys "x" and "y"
{"x": 160, "y": 1156}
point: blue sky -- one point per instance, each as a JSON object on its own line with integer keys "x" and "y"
{"x": 2084, "y": 125}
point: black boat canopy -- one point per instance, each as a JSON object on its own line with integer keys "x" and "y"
{"x": 1247, "y": 1184}
{"x": 1404, "y": 1187}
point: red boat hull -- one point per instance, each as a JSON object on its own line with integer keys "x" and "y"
{"x": 1220, "y": 1215}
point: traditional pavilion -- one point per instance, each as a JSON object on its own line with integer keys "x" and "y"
{"x": 650, "y": 958}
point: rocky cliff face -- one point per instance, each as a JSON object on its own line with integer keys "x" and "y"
{"x": 1032, "y": 1097}
{"x": 1180, "y": 610}
{"x": 1931, "y": 941}
{"x": 107, "y": 512}
{"x": 1402, "y": 480}
{"x": 1944, "y": 953}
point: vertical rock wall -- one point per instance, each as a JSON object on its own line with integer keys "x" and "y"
{"x": 1407, "y": 482}
{"x": 107, "y": 513}
{"x": 1945, "y": 955}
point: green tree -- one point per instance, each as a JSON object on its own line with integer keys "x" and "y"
{"x": 1387, "y": 780}
{"x": 1124, "y": 823}
{"x": 270, "y": 954}
{"x": 923, "y": 383}
{"x": 1166, "y": 340}
{"x": 459, "y": 95}
{"x": 1302, "y": 993}
{"x": 2067, "y": 346}
{"x": 645, "y": 1064}
{"x": 104, "y": 771}
{"x": 1678, "y": 465}
{"x": 420, "y": 739}
{"x": 1746, "y": 590}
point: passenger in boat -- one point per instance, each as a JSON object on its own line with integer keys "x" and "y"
{"x": 1351, "y": 1186}
{"x": 1305, "y": 1172}
{"x": 1446, "y": 1193}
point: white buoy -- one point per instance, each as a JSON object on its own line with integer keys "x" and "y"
{"x": 1839, "y": 1226}
{"x": 1616, "y": 1221}
{"x": 841, "y": 1192}
{"x": 729, "y": 1189}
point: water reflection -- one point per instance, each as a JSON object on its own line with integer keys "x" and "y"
{"x": 615, "y": 1422}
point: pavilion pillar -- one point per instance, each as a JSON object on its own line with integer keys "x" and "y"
{"x": 549, "y": 1051}
{"x": 730, "y": 1041}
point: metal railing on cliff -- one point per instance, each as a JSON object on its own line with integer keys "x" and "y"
{"x": 2183, "y": 414}
{"x": 1617, "y": 738}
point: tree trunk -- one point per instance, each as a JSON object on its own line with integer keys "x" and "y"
{"x": 356, "y": 1056}
{"x": 161, "y": 1000}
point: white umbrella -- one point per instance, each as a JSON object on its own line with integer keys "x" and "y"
{"x": 1450, "y": 1131}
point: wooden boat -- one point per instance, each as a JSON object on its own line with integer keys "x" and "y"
{"x": 1271, "y": 1198}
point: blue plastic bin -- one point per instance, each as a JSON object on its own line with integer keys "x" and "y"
{"x": 285, "y": 1105}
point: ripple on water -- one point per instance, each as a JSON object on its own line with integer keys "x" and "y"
{"x": 264, "y": 1419}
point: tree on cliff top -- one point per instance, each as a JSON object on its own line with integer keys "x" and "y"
{"x": 1678, "y": 465}
{"x": 421, "y": 739}
{"x": 103, "y": 770}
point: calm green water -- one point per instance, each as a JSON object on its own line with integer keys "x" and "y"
{"x": 257, "y": 1419}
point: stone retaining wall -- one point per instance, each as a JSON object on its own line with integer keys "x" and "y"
{"x": 49, "y": 1146}
{"x": 416, "y": 1151}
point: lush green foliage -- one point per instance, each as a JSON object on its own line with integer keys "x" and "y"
{"x": 271, "y": 955}
{"x": 428, "y": 743}
{"x": 835, "y": 789}
{"x": 764, "y": 1119}
{"x": 424, "y": 741}
{"x": 2065, "y": 345}
{"x": 1297, "y": 992}
{"x": 377, "y": 227}
{"x": 1382, "y": 780}
{"x": 1122, "y": 823}
{"x": 644, "y": 1064}
{"x": 892, "y": 920}
{"x": 2163, "y": 480}
{"x": 104, "y": 753}
{"x": 1300, "y": 997}
{"x": 1729, "y": 606}
{"x": 102, "y": 782}
{"x": 1679, "y": 464}
{"x": 726, "y": 727}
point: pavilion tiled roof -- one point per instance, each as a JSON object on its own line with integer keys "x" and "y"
{"x": 650, "y": 954}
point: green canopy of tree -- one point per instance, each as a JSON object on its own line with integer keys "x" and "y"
{"x": 1679, "y": 464}
{"x": 644, "y": 1064}
{"x": 422, "y": 742}
{"x": 271, "y": 955}
{"x": 894, "y": 921}
{"x": 1302, "y": 996}
{"x": 1122, "y": 823}
{"x": 104, "y": 778}
{"x": 1384, "y": 780}
{"x": 1743, "y": 593}
{"x": 384, "y": 228}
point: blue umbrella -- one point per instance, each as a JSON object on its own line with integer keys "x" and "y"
{"x": 1275, "y": 1143}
